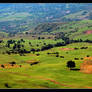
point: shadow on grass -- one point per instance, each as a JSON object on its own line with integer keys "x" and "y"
{"x": 76, "y": 69}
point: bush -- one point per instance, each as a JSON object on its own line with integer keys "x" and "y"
{"x": 3, "y": 52}
{"x": 70, "y": 64}
{"x": 76, "y": 58}
{"x": 48, "y": 53}
{"x": 12, "y": 63}
{"x": 20, "y": 65}
{"x": 37, "y": 54}
{"x": 34, "y": 63}
{"x": 83, "y": 47}
{"x": 87, "y": 55}
{"x": 66, "y": 52}
{"x": 61, "y": 56}
{"x": 76, "y": 48}
{"x": 57, "y": 55}
{"x": 81, "y": 58}
{"x": 38, "y": 50}
{"x": 2, "y": 66}
{"x": 6, "y": 85}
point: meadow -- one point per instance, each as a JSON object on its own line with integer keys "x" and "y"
{"x": 50, "y": 72}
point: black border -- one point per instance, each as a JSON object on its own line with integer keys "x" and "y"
{"x": 48, "y": 90}
{"x": 46, "y": 1}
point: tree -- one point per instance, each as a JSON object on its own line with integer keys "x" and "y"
{"x": 39, "y": 38}
{"x": 71, "y": 64}
{"x": 6, "y": 85}
{"x": 26, "y": 33}
{"x": 22, "y": 40}
{"x": 12, "y": 63}
{"x": 43, "y": 38}
{"x": 33, "y": 50}
{"x": 2, "y": 66}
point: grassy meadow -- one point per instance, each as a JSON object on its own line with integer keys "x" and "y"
{"x": 51, "y": 72}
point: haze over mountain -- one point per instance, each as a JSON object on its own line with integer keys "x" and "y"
{"x": 23, "y": 16}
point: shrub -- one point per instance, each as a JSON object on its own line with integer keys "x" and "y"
{"x": 66, "y": 52}
{"x": 37, "y": 54}
{"x": 83, "y": 47}
{"x": 48, "y": 53}
{"x": 37, "y": 45}
{"x": 33, "y": 63}
{"x": 57, "y": 55}
{"x": 20, "y": 65}
{"x": 70, "y": 64}
{"x": 87, "y": 55}
{"x": 3, "y": 52}
{"x": 2, "y": 66}
{"x": 76, "y": 48}
{"x": 76, "y": 58}
{"x": 61, "y": 56}
{"x": 6, "y": 85}
{"x": 38, "y": 50}
{"x": 12, "y": 63}
{"x": 81, "y": 58}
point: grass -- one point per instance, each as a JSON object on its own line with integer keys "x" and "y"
{"x": 49, "y": 68}
{"x": 75, "y": 29}
{"x": 34, "y": 44}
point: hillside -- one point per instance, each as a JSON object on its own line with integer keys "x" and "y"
{"x": 23, "y": 17}
{"x": 73, "y": 30}
{"x": 44, "y": 45}
{"x": 51, "y": 72}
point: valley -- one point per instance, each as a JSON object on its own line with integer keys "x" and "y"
{"x": 46, "y": 46}
{"x": 50, "y": 67}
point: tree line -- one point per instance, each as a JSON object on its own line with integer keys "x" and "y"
{"x": 19, "y": 48}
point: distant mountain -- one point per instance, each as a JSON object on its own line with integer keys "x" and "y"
{"x": 18, "y": 17}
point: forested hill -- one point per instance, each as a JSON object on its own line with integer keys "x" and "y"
{"x": 74, "y": 30}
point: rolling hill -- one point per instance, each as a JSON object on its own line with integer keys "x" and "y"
{"x": 44, "y": 45}
{"x": 73, "y": 30}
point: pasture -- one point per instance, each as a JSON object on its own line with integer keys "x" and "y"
{"x": 50, "y": 72}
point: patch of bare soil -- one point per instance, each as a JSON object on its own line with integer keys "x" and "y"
{"x": 87, "y": 58}
{"x": 86, "y": 66}
{"x": 65, "y": 49}
{"x": 10, "y": 66}
{"x": 88, "y": 87}
{"x": 30, "y": 61}
{"x": 88, "y": 32}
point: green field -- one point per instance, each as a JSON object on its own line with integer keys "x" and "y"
{"x": 46, "y": 46}
{"x": 51, "y": 72}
